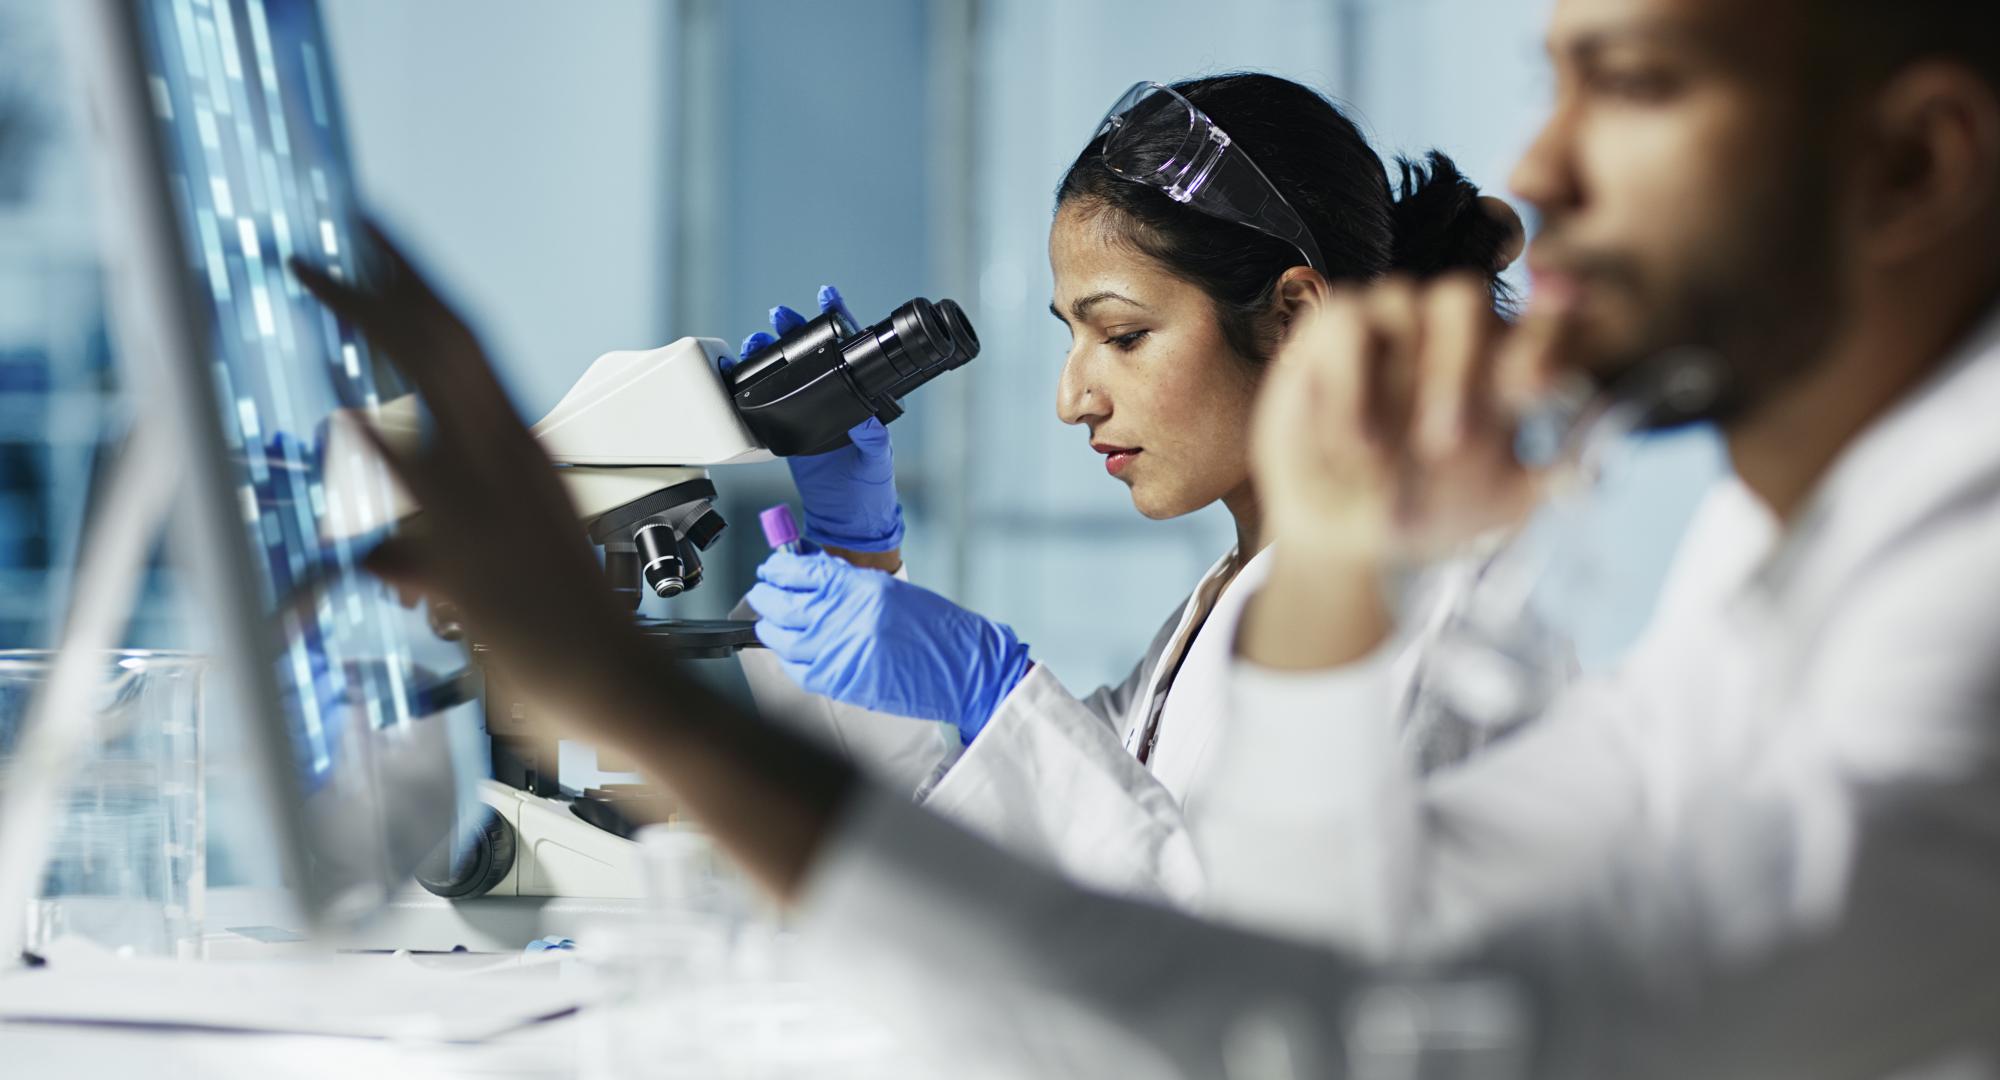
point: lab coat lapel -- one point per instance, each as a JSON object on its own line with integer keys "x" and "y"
{"x": 1143, "y": 722}
{"x": 1197, "y": 700}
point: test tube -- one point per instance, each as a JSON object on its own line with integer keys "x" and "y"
{"x": 781, "y": 529}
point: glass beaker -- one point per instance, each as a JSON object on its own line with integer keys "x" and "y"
{"x": 127, "y": 864}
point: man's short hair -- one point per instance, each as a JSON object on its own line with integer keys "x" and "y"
{"x": 1876, "y": 38}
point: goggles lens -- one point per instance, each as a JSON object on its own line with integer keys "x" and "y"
{"x": 1155, "y": 136}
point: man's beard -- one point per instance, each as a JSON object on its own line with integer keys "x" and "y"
{"x": 1742, "y": 320}
{"x": 1749, "y": 309}
{"x": 1767, "y": 328}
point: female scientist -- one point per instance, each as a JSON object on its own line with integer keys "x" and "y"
{"x": 1193, "y": 225}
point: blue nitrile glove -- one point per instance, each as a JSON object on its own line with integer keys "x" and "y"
{"x": 849, "y": 493}
{"x": 872, "y": 640}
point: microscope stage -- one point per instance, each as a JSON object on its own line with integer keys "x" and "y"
{"x": 701, "y": 639}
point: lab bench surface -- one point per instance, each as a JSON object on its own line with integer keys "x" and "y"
{"x": 597, "y": 1041}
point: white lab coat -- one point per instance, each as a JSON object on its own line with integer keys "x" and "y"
{"x": 1768, "y": 847}
{"x": 1057, "y": 778}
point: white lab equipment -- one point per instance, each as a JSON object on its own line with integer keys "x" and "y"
{"x": 712, "y": 984}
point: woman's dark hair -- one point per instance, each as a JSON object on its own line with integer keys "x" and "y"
{"x": 1430, "y": 224}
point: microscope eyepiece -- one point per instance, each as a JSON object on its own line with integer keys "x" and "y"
{"x": 801, "y": 394}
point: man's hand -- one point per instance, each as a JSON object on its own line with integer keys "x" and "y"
{"x": 1383, "y": 438}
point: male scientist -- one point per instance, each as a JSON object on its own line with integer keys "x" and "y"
{"x": 1768, "y": 848}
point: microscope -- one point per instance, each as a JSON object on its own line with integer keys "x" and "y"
{"x": 634, "y": 441}
{"x": 642, "y": 485}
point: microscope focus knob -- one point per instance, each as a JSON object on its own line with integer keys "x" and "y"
{"x": 472, "y": 871}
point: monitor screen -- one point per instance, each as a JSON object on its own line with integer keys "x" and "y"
{"x": 257, "y": 166}
{"x": 253, "y": 155}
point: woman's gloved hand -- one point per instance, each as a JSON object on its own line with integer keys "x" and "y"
{"x": 868, "y": 639}
{"x": 850, "y": 493}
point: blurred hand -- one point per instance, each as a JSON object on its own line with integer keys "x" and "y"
{"x": 1384, "y": 437}
{"x": 498, "y": 537}
{"x": 1385, "y": 432}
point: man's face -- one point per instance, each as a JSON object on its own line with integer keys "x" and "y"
{"x": 1684, "y": 188}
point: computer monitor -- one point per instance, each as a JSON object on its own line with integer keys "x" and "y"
{"x": 219, "y": 126}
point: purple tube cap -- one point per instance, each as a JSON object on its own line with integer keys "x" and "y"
{"x": 780, "y": 527}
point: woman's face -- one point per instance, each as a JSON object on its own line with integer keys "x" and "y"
{"x": 1148, "y": 372}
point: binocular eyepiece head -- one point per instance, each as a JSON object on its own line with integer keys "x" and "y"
{"x": 802, "y": 393}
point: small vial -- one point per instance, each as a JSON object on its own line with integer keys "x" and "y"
{"x": 781, "y": 529}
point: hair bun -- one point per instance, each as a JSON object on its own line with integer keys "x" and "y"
{"x": 1443, "y": 224}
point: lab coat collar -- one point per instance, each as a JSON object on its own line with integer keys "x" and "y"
{"x": 1918, "y": 460}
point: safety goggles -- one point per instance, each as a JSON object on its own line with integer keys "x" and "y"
{"x": 1157, "y": 137}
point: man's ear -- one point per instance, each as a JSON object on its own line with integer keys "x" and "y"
{"x": 1934, "y": 168}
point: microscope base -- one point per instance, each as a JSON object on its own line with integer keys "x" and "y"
{"x": 569, "y": 877}
{"x": 557, "y": 853}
